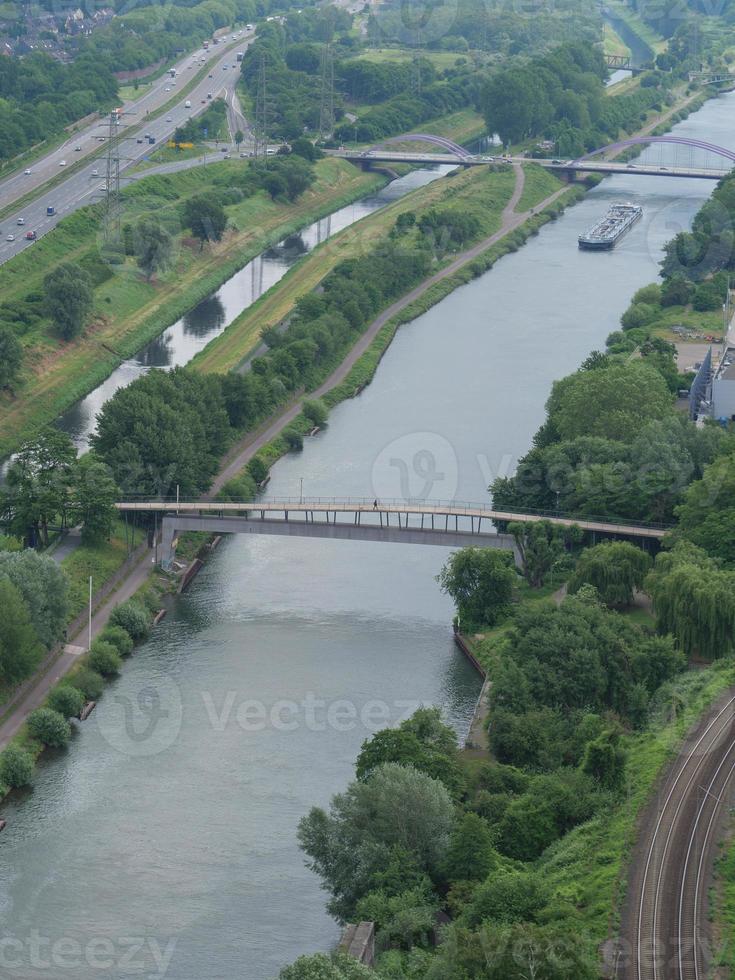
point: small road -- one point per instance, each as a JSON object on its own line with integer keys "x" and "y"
{"x": 664, "y": 925}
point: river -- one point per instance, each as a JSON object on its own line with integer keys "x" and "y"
{"x": 260, "y": 686}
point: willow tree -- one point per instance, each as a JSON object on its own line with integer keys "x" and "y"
{"x": 694, "y": 599}
{"x": 615, "y": 568}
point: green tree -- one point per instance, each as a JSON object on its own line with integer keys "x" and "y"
{"x": 153, "y": 247}
{"x": 11, "y": 357}
{"x": 16, "y": 767}
{"x": 20, "y": 650}
{"x": 471, "y": 855}
{"x": 481, "y": 583}
{"x": 38, "y": 483}
{"x": 694, "y": 600}
{"x": 612, "y": 403}
{"x": 67, "y": 700}
{"x": 239, "y": 137}
{"x": 321, "y": 966}
{"x": 604, "y": 760}
{"x": 94, "y": 496}
{"x": 49, "y": 727}
{"x": 206, "y": 217}
{"x": 119, "y": 638}
{"x": 104, "y": 658}
{"x": 69, "y": 299}
{"x": 315, "y": 411}
{"x": 615, "y": 568}
{"x": 707, "y": 514}
{"x": 507, "y": 896}
{"x": 540, "y": 545}
{"x": 43, "y": 587}
{"x": 133, "y": 617}
{"x": 397, "y": 807}
{"x": 89, "y": 682}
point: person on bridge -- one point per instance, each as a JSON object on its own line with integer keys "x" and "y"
{"x": 375, "y": 504}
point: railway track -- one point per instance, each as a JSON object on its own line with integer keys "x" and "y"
{"x": 665, "y": 920}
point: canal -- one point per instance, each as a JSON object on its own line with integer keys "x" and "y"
{"x": 171, "y": 819}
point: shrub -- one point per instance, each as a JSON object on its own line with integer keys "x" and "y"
{"x": 67, "y": 700}
{"x": 133, "y": 618}
{"x": 638, "y": 315}
{"x": 16, "y": 767}
{"x": 257, "y": 469}
{"x": 119, "y": 638}
{"x": 293, "y": 439}
{"x": 49, "y": 727}
{"x": 315, "y": 410}
{"x": 104, "y": 658}
{"x": 89, "y": 682}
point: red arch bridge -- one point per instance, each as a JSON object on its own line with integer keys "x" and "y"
{"x": 693, "y": 158}
{"x": 447, "y": 524}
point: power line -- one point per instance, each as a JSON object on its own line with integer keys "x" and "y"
{"x": 112, "y": 221}
{"x": 260, "y": 131}
{"x": 326, "y": 102}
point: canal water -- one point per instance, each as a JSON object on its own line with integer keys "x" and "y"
{"x": 171, "y": 819}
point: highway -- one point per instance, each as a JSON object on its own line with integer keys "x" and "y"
{"x": 665, "y": 920}
{"x": 87, "y": 184}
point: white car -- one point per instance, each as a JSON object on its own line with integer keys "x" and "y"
{"x": 169, "y": 119}
{"x": 95, "y": 172}
{"x": 20, "y": 221}
{"x": 10, "y": 238}
{"x": 62, "y": 163}
{"x": 27, "y": 173}
{"x": 77, "y": 149}
{"x": 167, "y": 89}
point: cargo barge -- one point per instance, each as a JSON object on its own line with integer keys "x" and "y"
{"x": 613, "y": 226}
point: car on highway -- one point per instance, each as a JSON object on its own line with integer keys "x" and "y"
{"x": 77, "y": 149}
{"x": 10, "y": 238}
{"x": 20, "y": 221}
{"x": 62, "y": 163}
{"x": 210, "y": 75}
{"x": 167, "y": 89}
{"x": 27, "y": 173}
{"x": 30, "y": 236}
{"x": 95, "y": 172}
{"x": 631, "y": 166}
{"x": 169, "y": 119}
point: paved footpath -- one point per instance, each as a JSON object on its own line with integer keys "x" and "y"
{"x": 31, "y": 695}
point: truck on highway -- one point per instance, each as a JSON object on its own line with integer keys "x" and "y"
{"x": 172, "y": 72}
{"x": 50, "y": 210}
{"x": 205, "y": 45}
{"x": 240, "y": 55}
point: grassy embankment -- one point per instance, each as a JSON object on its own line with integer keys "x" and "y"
{"x": 639, "y": 26}
{"x": 722, "y": 905}
{"x": 612, "y": 43}
{"x": 129, "y": 311}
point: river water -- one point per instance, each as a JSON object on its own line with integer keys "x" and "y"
{"x": 172, "y": 817}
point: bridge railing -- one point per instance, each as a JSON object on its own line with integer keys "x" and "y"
{"x": 459, "y": 507}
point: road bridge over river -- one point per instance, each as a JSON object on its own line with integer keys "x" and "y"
{"x": 446, "y": 524}
{"x": 695, "y": 159}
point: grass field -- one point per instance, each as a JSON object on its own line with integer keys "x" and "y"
{"x": 539, "y": 184}
{"x": 396, "y": 56}
{"x": 612, "y": 43}
{"x": 481, "y": 191}
{"x": 128, "y": 310}
{"x": 100, "y": 561}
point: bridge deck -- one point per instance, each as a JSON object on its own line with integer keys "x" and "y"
{"x": 354, "y": 509}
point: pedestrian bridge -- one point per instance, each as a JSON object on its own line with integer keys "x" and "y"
{"x": 446, "y": 524}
